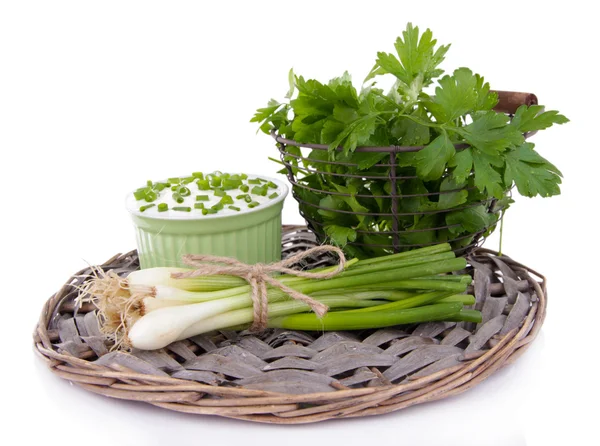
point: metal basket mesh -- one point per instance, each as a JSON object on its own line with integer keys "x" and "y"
{"x": 400, "y": 223}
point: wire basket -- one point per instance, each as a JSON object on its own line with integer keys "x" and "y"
{"x": 396, "y": 227}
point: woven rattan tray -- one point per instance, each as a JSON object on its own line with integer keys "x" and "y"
{"x": 291, "y": 377}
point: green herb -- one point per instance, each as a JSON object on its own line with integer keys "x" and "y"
{"x": 203, "y": 184}
{"x": 234, "y": 208}
{"x": 259, "y": 190}
{"x": 272, "y": 185}
{"x": 253, "y": 204}
{"x": 241, "y": 197}
{"x": 468, "y": 186}
{"x": 254, "y": 181}
{"x": 215, "y": 181}
{"x": 217, "y": 207}
{"x": 208, "y": 211}
{"x": 248, "y": 199}
{"x": 162, "y": 207}
{"x": 202, "y": 198}
{"x": 182, "y": 208}
{"x": 219, "y": 192}
{"x": 148, "y": 206}
{"x": 150, "y": 196}
{"x": 178, "y": 198}
{"x": 174, "y": 180}
{"x": 198, "y": 175}
{"x": 273, "y": 195}
{"x": 230, "y": 183}
{"x": 244, "y": 188}
{"x": 227, "y": 200}
{"x": 140, "y": 194}
{"x": 198, "y": 205}
{"x": 243, "y": 176}
{"x": 184, "y": 191}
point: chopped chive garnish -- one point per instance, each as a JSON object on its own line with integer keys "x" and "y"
{"x": 202, "y": 198}
{"x": 149, "y": 183}
{"x": 150, "y": 196}
{"x": 208, "y": 211}
{"x": 272, "y": 185}
{"x": 182, "y": 209}
{"x": 262, "y": 180}
{"x": 184, "y": 191}
{"x": 163, "y": 207}
{"x": 174, "y": 188}
{"x": 174, "y": 180}
{"x": 140, "y": 194}
{"x": 253, "y": 204}
{"x": 198, "y": 175}
{"x": 188, "y": 180}
{"x": 215, "y": 182}
{"x": 217, "y": 207}
{"x": 219, "y": 193}
{"x": 198, "y": 205}
{"x": 235, "y": 177}
{"x": 217, "y": 173}
{"x": 244, "y": 176}
{"x": 227, "y": 200}
{"x": 203, "y": 184}
{"x": 248, "y": 199}
{"x": 241, "y": 197}
{"x": 273, "y": 195}
{"x": 225, "y": 176}
{"x": 244, "y": 188}
{"x": 178, "y": 198}
{"x": 148, "y": 206}
{"x": 158, "y": 187}
{"x": 229, "y": 184}
{"x": 259, "y": 190}
{"x": 254, "y": 181}
{"x": 234, "y": 208}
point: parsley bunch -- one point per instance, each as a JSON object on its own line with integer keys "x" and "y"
{"x": 459, "y": 110}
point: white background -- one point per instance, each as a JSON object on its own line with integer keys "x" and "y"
{"x": 97, "y": 97}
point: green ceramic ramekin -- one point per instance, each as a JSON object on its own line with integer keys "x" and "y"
{"x": 251, "y": 236}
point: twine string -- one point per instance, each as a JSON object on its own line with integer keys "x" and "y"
{"x": 259, "y": 276}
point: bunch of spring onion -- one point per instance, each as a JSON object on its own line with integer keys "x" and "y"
{"x": 150, "y": 309}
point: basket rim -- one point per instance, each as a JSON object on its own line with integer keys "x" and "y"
{"x": 508, "y": 102}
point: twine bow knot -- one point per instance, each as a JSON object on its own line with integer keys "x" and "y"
{"x": 259, "y": 276}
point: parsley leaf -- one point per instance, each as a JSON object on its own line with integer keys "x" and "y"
{"x": 431, "y": 161}
{"x": 532, "y": 174}
{"x": 340, "y": 235}
{"x": 460, "y": 94}
{"x": 490, "y": 133}
{"x": 487, "y": 178}
{"x": 528, "y": 119}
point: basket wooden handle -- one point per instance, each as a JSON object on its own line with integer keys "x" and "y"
{"x": 509, "y": 101}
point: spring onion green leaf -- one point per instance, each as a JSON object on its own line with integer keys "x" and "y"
{"x": 184, "y": 191}
{"x": 148, "y": 206}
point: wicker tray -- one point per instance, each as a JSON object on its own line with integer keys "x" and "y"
{"x": 289, "y": 377}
